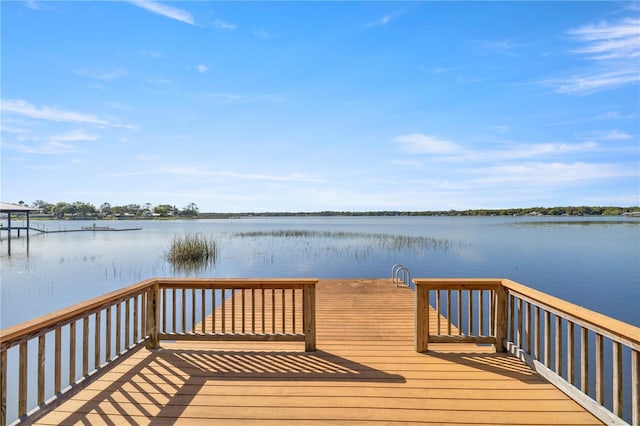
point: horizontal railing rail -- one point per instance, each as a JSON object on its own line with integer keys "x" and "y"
{"x": 560, "y": 340}
{"x": 59, "y": 353}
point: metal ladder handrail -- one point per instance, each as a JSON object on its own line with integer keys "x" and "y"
{"x": 400, "y": 275}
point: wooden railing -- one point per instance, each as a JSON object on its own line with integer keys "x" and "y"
{"x": 46, "y": 360}
{"x": 553, "y": 336}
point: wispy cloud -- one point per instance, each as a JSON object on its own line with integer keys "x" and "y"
{"x": 446, "y": 150}
{"x": 192, "y": 171}
{"x": 613, "y": 135}
{"x": 22, "y": 107}
{"x": 31, "y": 4}
{"x": 417, "y": 143}
{"x": 613, "y": 48}
{"x": 164, "y": 10}
{"x": 606, "y": 41}
{"x": 202, "y": 68}
{"x": 262, "y": 34}
{"x": 75, "y": 136}
{"x": 223, "y": 25}
{"x": 495, "y": 47}
{"x": 109, "y": 75}
{"x": 383, "y": 21}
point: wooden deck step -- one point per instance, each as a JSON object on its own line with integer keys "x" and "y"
{"x": 364, "y": 372}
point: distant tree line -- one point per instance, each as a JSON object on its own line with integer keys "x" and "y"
{"x": 80, "y": 209}
{"x": 547, "y": 211}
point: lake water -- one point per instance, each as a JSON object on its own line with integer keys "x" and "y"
{"x": 593, "y": 262}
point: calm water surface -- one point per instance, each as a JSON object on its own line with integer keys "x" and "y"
{"x": 593, "y": 262}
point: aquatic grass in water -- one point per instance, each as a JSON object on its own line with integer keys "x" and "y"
{"x": 386, "y": 242}
{"x": 192, "y": 252}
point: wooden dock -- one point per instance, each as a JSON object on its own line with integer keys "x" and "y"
{"x": 365, "y": 371}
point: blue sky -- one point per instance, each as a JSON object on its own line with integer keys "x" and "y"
{"x": 288, "y": 106}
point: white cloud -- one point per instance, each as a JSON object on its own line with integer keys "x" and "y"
{"x": 22, "y": 107}
{"x": 202, "y": 68}
{"x": 76, "y": 136}
{"x": 612, "y": 135}
{"x": 262, "y": 34}
{"x": 595, "y": 82}
{"x": 537, "y": 173}
{"x": 223, "y": 25}
{"x": 605, "y": 41}
{"x": 614, "y": 49}
{"x": 109, "y": 75}
{"x": 164, "y": 10}
{"x": 33, "y": 5}
{"x": 193, "y": 171}
{"x": 424, "y": 144}
{"x": 446, "y": 150}
{"x": 384, "y": 20}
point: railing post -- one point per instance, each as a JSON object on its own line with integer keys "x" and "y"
{"x": 421, "y": 318}
{"x": 309, "y": 317}
{"x": 153, "y": 316}
{"x": 500, "y": 316}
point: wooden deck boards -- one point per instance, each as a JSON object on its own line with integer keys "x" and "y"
{"x": 364, "y": 372}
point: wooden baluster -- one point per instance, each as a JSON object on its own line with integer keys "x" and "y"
{"x": 273, "y": 311}
{"x": 118, "y": 328}
{"x": 263, "y": 314}
{"x": 203, "y": 310}
{"x": 570, "y": 353}
{"x": 512, "y": 324}
{"x": 72, "y": 352}
{"x": 253, "y": 311}
{"x": 527, "y": 327}
{"x": 143, "y": 314}
{"x": 136, "y": 302}
{"x": 584, "y": 360}
{"x": 449, "y": 312}
{"x": 127, "y": 324}
{"x": 41, "y": 368}
{"x": 293, "y": 310}
{"x": 519, "y": 330}
{"x": 481, "y": 314}
{"x": 213, "y": 310}
{"x": 470, "y": 312}
{"x": 85, "y": 346}
{"x": 599, "y": 369}
{"x": 438, "y": 312}
{"x": 183, "y": 311}
{"x": 284, "y": 316}
{"x": 536, "y": 321}
{"x": 3, "y": 387}
{"x": 459, "y": 312}
{"x": 193, "y": 310}
{"x": 97, "y": 336}
{"x": 224, "y": 316}
{"x": 243, "y": 315}
{"x": 547, "y": 339}
{"x": 22, "y": 380}
{"x": 174, "y": 316}
{"x": 558, "y": 326}
{"x": 107, "y": 335}
{"x": 233, "y": 311}
{"x": 57, "y": 361}
{"x": 635, "y": 387}
{"x": 617, "y": 379}
{"x": 492, "y": 315}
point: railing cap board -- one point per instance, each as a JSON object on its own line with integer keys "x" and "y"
{"x": 623, "y": 330}
{"x": 238, "y": 283}
{"x": 64, "y": 315}
{"x": 458, "y": 283}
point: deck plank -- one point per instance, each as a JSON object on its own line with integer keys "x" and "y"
{"x": 364, "y": 372}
